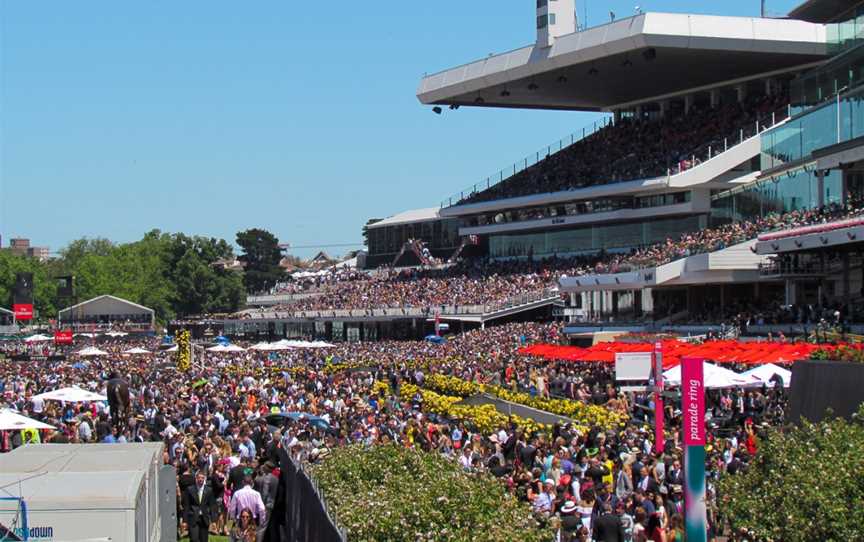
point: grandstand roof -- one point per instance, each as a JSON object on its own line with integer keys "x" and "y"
{"x": 820, "y": 11}
{"x": 639, "y": 58}
{"x": 407, "y": 217}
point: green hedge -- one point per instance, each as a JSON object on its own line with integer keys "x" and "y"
{"x": 805, "y": 484}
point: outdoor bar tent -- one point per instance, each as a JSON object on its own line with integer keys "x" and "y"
{"x": 107, "y": 309}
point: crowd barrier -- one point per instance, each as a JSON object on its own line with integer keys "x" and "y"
{"x": 300, "y": 513}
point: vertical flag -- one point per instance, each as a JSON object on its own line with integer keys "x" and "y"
{"x": 659, "y": 438}
{"x": 693, "y": 426}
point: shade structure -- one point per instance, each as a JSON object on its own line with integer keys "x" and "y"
{"x": 38, "y": 338}
{"x": 12, "y": 421}
{"x": 715, "y": 377}
{"x": 767, "y": 373}
{"x": 137, "y": 350}
{"x": 116, "y": 334}
{"x": 71, "y": 395}
{"x": 217, "y": 348}
{"x": 262, "y": 346}
{"x": 91, "y": 351}
{"x": 719, "y": 351}
{"x": 226, "y": 348}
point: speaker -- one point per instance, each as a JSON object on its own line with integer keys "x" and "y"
{"x": 22, "y": 293}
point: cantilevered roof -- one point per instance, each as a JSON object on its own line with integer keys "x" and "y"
{"x": 407, "y": 217}
{"x": 635, "y": 59}
{"x": 821, "y": 11}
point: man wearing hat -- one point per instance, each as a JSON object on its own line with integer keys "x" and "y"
{"x": 570, "y": 520}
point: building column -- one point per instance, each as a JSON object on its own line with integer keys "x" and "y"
{"x": 769, "y": 87}
{"x": 741, "y": 92}
{"x": 688, "y": 103}
{"x": 789, "y": 292}
{"x": 847, "y": 293}
{"x": 714, "y": 96}
{"x": 664, "y": 107}
{"x": 820, "y": 187}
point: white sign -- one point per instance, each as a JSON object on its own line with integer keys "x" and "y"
{"x": 630, "y": 366}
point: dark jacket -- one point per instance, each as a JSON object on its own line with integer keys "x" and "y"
{"x": 193, "y": 510}
{"x": 608, "y": 528}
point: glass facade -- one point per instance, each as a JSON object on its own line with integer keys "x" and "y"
{"x": 789, "y": 192}
{"x": 576, "y": 208}
{"x": 834, "y": 122}
{"x": 592, "y": 238}
{"x": 437, "y": 234}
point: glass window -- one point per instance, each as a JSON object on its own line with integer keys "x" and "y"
{"x": 541, "y": 21}
{"x": 551, "y": 19}
{"x": 541, "y": 4}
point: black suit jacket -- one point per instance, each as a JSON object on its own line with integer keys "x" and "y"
{"x": 194, "y": 510}
{"x": 608, "y": 528}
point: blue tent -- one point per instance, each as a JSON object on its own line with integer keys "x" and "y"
{"x": 223, "y": 340}
{"x": 168, "y": 339}
{"x": 435, "y": 339}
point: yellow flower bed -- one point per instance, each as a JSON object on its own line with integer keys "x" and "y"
{"x": 581, "y": 413}
{"x": 484, "y": 418}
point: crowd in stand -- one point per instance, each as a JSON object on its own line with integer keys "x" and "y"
{"x": 632, "y": 149}
{"x": 481, "y": 282}
{"x": 589, "y": 482}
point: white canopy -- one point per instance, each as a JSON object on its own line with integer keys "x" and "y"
{"x": 71, "y": 395}
{"x": 116, "y": 334}
{"x": 224, "y": 348}
{"x": 38, "y": 338}
{"x": 91, "y": 351}
{"x": 715, "y": 377}
{"x": 261, "y": 346}
{"x": 764, "y": 373}
{"x": 284, "y": 343}
{"x": 137, "y": 350}
{"x": 12, "y": 421}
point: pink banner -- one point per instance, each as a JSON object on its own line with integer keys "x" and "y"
{"x": 693, "y": 401}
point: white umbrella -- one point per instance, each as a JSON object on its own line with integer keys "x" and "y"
{"x": 116, "y": 334}
{"x": 12, "y": 421}
{"x": 71, "y": 395}
{"x": 260, "y": 346}
{"x": 91, "y": 351}
{"x": 38, "y": 338}
{"x": 764, "y": 373}
{"x": 713, "y": 375}
{"x": 217, "y": 348}
{"x": 233, "y": 348}
{"x": 137, "y": 350}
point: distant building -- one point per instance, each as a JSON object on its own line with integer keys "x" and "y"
{"x": 21, "y": 247}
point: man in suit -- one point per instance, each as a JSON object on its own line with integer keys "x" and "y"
{"x": 608, "y": 527}
{"x": 267, "y": 484}
{"x": 199, "y": 507}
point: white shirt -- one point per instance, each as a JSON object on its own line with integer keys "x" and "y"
{"x": 38, "y": 405}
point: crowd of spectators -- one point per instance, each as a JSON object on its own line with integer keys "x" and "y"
{"x": 480, "y": 281}
{"x": 632, "y": 149}
{"x": 213, "y": 423}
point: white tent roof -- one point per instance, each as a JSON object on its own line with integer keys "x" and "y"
{"x": 224, "y": 348}
{"x": 137, "y": 350}
{"x": 260, "y": 346}
{"x": 38, "y": 338}
{"x": 764, "y": 373}
{"x": 91, "y": 351}
{"x": 715, "y": 377}
{"x": 12, "y": 421}
{"x": 105, "y": 305}
{"x": 71, "y": 395}
{"x": 116, "y": 334}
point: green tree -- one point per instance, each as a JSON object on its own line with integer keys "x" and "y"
{"x": 261, "y": 254}
{"x": 805, "y": 484}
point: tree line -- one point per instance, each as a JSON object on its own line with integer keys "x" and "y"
{"x": 173, "y": 273}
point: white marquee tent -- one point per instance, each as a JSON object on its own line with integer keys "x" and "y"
{"x": 71, "y": 395}
{"x": 714, "y": 376}
{"x": 12, "y": 421}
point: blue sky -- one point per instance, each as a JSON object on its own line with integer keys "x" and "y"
{"x": 212, "y": 117}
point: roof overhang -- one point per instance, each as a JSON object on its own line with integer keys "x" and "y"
{"x": 630, "y": 60}
{"x": 821, "y": 11}
{"x": 842, "y": 235}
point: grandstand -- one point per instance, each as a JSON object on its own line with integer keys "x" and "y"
{"x": 719, "y": 130}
